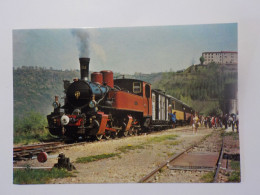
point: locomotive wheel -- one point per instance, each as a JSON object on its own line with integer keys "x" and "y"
{"x": 125, "y": 133}
{"x": 107, "y": 135}
{"x": 130, "y": 131}
{"x": 136, "y": 131}
{"x": 99, "y": 137}
{"x": 114, "y": 135}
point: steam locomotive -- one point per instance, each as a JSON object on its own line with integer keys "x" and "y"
{"x": 104, "y": 107}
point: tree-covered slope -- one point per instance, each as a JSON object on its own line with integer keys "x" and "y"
{"x": 201, "y": 86}
{"x": 198, "y": 86}
{"x": 35, "y": 88}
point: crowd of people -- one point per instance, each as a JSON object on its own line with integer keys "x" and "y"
{"x": 215, "y": 122}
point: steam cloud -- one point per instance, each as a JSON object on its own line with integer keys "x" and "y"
{"x": 82, "y": 42}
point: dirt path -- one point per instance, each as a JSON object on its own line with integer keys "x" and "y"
{"x": 136, "y": 157}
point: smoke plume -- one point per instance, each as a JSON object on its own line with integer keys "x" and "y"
{"x": 82, "y": 37}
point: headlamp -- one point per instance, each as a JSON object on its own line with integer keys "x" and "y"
{"x": 92, "y": 104}
{"x": 65, "y": 120}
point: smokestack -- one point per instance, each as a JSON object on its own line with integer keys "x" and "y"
{"x": 84, "y": 68}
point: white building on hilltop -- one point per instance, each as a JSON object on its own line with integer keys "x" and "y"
{"x": 222, "y": 57}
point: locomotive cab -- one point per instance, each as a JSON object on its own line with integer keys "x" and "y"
{"x": 134, "y": 86}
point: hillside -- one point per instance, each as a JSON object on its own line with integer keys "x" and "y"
{"x": 203, "y": 87}
{"x": 35, "y": 88}
{"x": 206, "y": 88}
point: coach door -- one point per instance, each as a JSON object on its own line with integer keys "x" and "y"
{"x": 153, "y": 106}
{"x": 159, "y": 106}
{"x": 163, "y": 108}
{"x": 166, "y": 107}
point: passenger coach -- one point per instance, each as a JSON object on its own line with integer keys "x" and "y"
{"x": 163, "y": 104}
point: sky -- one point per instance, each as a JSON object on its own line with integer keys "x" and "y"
{"x": 124, "y": 50}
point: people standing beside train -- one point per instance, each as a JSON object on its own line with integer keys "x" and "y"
{"x": 213, "y": 122}
{"x": 221, "y": 121}
{"x": 230, "y": 119}
{"x": 173, "y": 118}
{"x": 233, "y": 122}
{"x": 237, "y": 123}
{"x": 225, "y": 119}
{"x": 195, "y": 123}
{"x": 209, "y": 122}
{"x": 205, "y": 122}
{"x": 56, "y": 105}
{"x": 201, "y": 120}
{"x": 191, "y": 121}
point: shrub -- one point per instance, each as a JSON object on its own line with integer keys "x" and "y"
{"x": 95, "y": 158}
{"x": 34, "y": 176}
{"x": 234, "y": 177}
{"x": 30, "y": 128}
{"x": 208, "y": 177}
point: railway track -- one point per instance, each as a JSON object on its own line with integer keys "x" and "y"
{"x": 31, "y": 151}
{"x": 184, "y": 154}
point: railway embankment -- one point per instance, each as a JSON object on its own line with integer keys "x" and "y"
{"x": 134, "y": 156}
{"x": 129, "y": 159}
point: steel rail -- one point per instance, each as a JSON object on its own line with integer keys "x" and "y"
{"x": 219, "y": 162}
{"x": 144, "y": 179}
{"x": 174, "y": 157}
{"x": 28, "y": 152}
{"x": 29, "y": 147}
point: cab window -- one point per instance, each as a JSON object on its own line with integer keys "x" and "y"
{"x": 137, "y": 87}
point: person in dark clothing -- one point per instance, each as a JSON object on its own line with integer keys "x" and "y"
{"x": 237, "y": 123}
{"x": 225, "y": 120}
{"x": 233, "y": 122}
{"x": 209, "y": 121}
{"x": 173, "y": 118}
{"x": 56, "y": 105}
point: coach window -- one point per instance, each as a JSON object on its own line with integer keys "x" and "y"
{"x": 137, "y": 87}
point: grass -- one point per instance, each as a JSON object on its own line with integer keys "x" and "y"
{"x": 174, "y": 143}
{"x": 170, "y": 154}
{"x": 152, "y": 140}
{"x": 161, "y": 138}
{"x": 235, "y": 165}
{"x": 234, "y": 177}
{"x": 125, "y": 149}
{"x": 162, "y": 169}
{"x": 95, "y": 157}
{"x": 233, "y": 134}
{"x": 34, "y": 176}
{"x": 208, "y": 177}
{"x": 33, "y": 137}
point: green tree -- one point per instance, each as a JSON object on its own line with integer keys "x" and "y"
{"x": 32, "y": 122}
{"x": 202, "y": 60}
